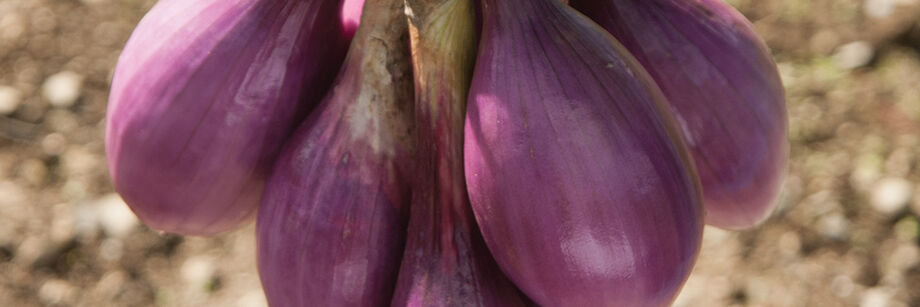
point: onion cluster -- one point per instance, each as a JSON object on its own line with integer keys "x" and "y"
{"x": 451, "y": 152}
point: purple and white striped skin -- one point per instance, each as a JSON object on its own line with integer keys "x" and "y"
{"x": 203, "y": 97}
{"x": 580, "y": 183}
{"x": 332, "y": 224}
{"x": 725, "y": 92}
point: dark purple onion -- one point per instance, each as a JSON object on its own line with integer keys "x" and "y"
{"x": 724, "y": 90}
{"x": 579, "y": 180}
{"x": 331, "y": 227}
{"x": 204, "y": 95}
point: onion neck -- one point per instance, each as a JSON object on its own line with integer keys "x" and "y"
{"x": 443, "y": 242}
{"x": 443, "y": 52}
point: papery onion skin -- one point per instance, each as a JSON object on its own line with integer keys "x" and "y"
{"x": 723, "y": 87}
{"x": 203, "y": 97}
{"x": 446, "y": 262}
{"x": 579, "y": 180}
{"x": 332, "y": 224}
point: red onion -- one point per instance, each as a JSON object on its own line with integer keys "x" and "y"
{"x": 724, "y": 89}
{"x": 331, "y": 227}
{"x": 579, "y": 180}
{"x": 445, "y": 263}
{"x": 203, "y": 97}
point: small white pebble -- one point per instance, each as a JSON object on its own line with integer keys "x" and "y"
{"x": 879, "y": 8}
{"x": 713, "y": 236}
{"x": 115, "y": 218}
{"x": 10, "y": 98}
{"x": 854, "y": 55}
{"x": 875, "y": 297}
{"x": 63, "y": 89}
{"x": 198, "y": 271}
{"x": 254, "y": 298}
{"x": 891, "y": 195}
{"x": 54, "y": 292}
{"x": 834, "y": 226}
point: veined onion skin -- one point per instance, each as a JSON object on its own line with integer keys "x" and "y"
{"x": 203, "y": 97}
{"x": 446, "y": 262}
{"x": 583, "y": 189}
{"x": 724, "y": 89}
{"x": 332, "y": 224}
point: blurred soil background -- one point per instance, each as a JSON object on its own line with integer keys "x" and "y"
{"x": 846, "y": 232}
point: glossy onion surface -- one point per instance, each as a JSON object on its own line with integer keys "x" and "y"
{"x": 331, "y": 227}
{"x": 582, "y": 188}
{"x": 725, "y": 92}
{"x": 203, "y": 97}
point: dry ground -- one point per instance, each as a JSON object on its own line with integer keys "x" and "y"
{"x": 846, "y": 233}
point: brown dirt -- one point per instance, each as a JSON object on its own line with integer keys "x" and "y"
{"x": 854, "y": 122}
